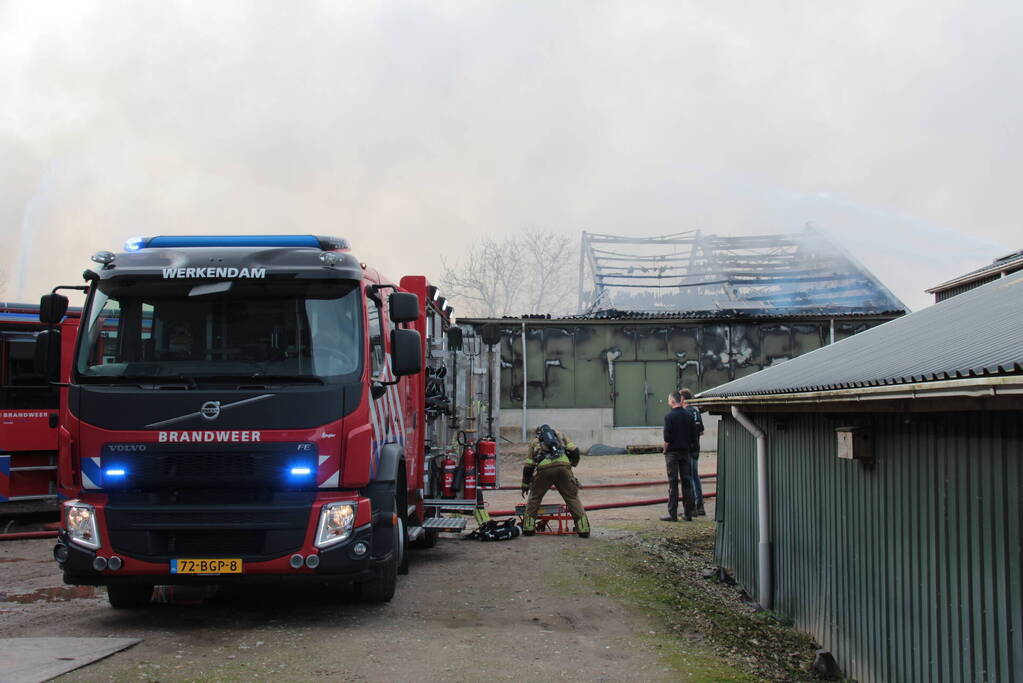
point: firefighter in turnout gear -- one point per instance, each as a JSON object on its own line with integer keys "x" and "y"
{"x": 552, "y": 455}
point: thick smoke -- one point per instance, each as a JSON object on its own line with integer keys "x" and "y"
{"x": 410, "y": 128}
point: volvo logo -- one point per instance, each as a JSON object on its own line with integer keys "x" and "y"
{"x": 210, "y": 410}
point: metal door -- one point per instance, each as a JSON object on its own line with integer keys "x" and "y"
{"x": 641, "y": 392}
{"x": 661, "y": 380}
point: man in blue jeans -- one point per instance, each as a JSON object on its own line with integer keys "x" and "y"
{"x": 694, "y": 453}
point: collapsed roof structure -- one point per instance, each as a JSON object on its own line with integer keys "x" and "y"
{"x": 692, "y": 271}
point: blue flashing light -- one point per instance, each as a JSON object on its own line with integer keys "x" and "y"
{"x": 135, "y": 243}
{"x": 115, "y": 473}
{"x": 301, "y": 471}
{"x": 165, "y": 241}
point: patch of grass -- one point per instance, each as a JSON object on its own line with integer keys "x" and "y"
{"x": 610, "y": 569}
{"x": 706, "y": 628}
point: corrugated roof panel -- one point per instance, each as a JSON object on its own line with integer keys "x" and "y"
{"x": 1009, "y": 262}
{"x": 977, "y": 333}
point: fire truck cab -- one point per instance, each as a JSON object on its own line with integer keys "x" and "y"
{"x": 241, "y": 409}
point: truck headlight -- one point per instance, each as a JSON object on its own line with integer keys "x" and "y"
{"x": 336, "y": 522}
{"x": 81, "y": 524}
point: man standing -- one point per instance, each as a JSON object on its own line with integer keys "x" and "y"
{"x": 694, "y": 453}
{"x": 549, "y": 463}
{"x": 679, "y": 429}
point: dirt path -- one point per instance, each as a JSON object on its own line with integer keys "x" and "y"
{"x": 468, "y": 611}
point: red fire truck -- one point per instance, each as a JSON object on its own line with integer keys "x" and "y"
{"x": 251, "y": 409}
{"x": 28, "y": 410}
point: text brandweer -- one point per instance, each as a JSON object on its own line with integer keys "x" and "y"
{"x": 213, "y": 272}
{"x": 203, "y": 437}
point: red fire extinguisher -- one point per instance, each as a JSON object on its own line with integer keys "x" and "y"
{"x": 486, "y": 455}
{"x": 449, "y": 466}
{"x": 469, "y": 468}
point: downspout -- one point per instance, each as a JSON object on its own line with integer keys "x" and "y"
{"x": 763, "y": 511}
{"x": 525, "y": 382}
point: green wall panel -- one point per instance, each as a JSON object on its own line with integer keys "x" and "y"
{"x": 559, "y": 371}
{"x": 592, "y": 383}
{"x": 907, "y": 571}
{"x": 568, "y": 364}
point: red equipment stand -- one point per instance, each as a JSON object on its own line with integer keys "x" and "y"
{"x": 547, "y": 516}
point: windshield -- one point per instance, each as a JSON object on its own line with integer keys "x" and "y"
{"x": 183, "y": 331}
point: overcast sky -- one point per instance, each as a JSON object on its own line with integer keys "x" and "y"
{"x": 412, "y": 127}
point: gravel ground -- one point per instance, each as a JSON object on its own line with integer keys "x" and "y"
{"x": 550, "y": 606}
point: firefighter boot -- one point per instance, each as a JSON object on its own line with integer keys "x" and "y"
{"x": 528, "y": 525}
{"x": 582, "y": 527}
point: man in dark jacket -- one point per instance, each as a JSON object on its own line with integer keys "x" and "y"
{"x": 694, "y": 453}
{"x": 679, "y": 434}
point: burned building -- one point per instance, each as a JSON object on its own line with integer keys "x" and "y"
{"x": 703, "y": 310}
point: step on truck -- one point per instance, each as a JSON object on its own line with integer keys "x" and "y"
{"x": 247, "y": 409}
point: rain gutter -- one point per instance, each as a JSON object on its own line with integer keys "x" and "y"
{"x": 978, "y": 387}
{"x": 765, "y": 581}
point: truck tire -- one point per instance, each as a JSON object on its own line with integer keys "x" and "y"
{"x": 401, "y": 508}
{"x": 427, "y": 540}
{"x": 381, "y": 588}
{"x": 129, "y": 596}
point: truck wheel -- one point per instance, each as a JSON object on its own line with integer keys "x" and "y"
{"x": 381, "y": 588}
{"x": 401, "y": 542}
{"x": 129, "y": 596}
{"x": 427, "y": 540}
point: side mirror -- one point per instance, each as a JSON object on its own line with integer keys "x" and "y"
{"x": 47, "y": 359}
{"x": 406, "y": 353}
{"x": 52, "y": 308}
{"x": 404, "y": 307}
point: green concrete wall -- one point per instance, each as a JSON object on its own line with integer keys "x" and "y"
{"x": 571, "y": 365}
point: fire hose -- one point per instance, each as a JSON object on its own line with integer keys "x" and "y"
{"x": 609, "y": 506}
{"x": 712, "y": 475}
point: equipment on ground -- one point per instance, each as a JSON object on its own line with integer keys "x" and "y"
{"x": 496, "y": 531}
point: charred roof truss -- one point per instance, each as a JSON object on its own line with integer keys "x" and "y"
{"x": 696, "y": 271}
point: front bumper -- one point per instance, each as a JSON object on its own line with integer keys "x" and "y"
{"x": 338, "y": 563}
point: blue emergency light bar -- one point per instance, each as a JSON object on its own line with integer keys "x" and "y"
{"x": 115, "y": 472}
{"x": 186, "y": 241}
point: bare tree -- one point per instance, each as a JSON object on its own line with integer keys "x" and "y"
{"x": 531, "y": 273}
{"x": 549, "y": 257}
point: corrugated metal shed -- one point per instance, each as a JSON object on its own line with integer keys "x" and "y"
{"x": 979, "y": 333}
{"x": 907, "y": 571}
